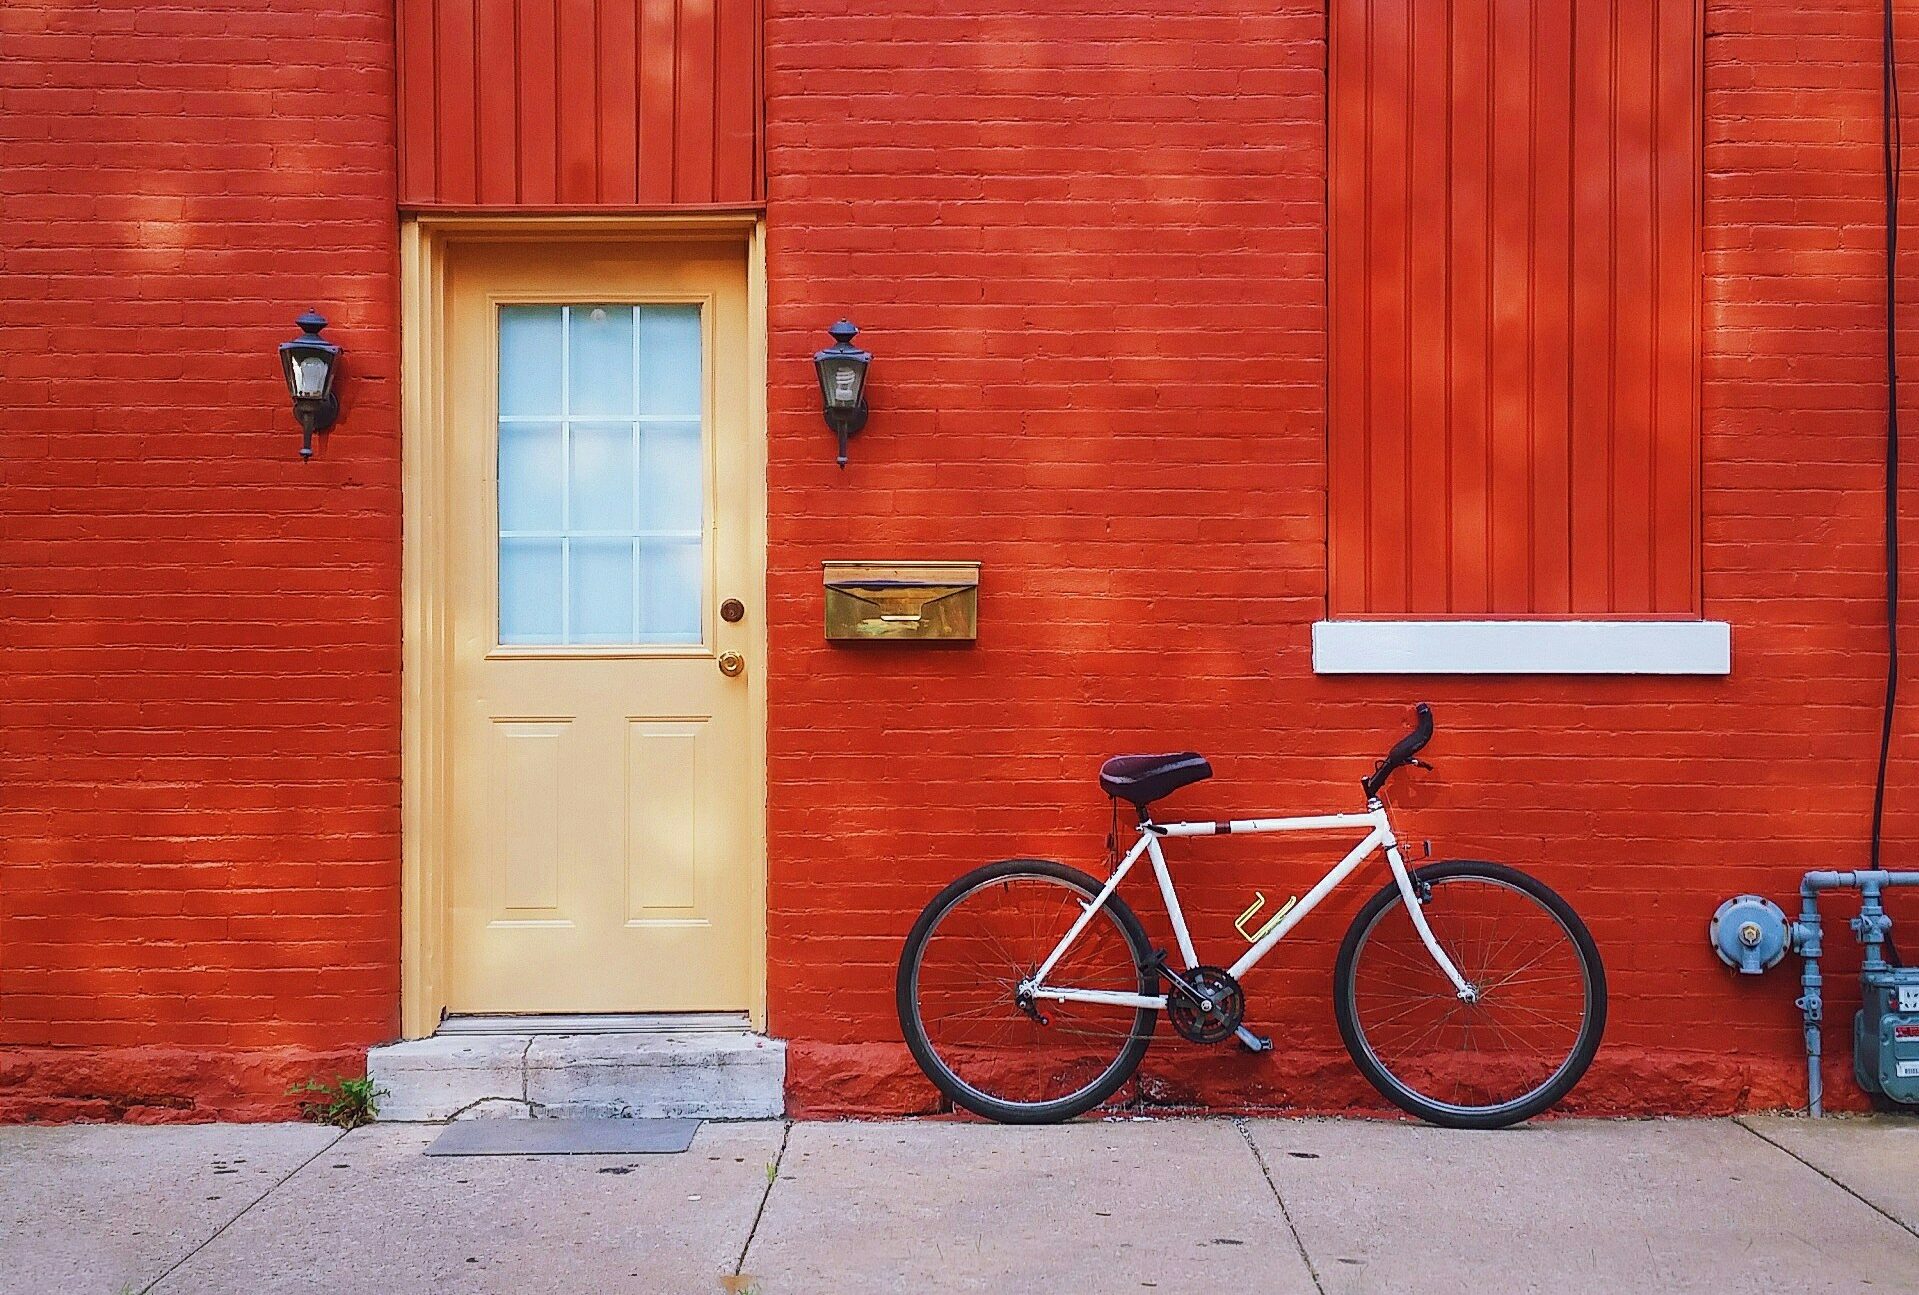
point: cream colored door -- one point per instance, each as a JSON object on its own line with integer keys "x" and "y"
{"x": 606, "y": 841}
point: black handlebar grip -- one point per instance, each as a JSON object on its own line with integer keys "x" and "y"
{"x": 1403, "y": 750}
{"x": 1422, "y": 728}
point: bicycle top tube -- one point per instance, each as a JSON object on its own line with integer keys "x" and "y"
{"x": 1373, "y": 817}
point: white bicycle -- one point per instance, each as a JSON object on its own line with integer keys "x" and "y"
{"x": 1468, "y": 993}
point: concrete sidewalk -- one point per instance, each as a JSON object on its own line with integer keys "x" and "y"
{"x": 1306, "y": 1206}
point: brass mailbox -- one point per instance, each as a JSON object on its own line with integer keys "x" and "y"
{"x": 930, "y": 601}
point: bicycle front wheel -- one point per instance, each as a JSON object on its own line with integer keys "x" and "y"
{"x": 1528, "y": 1030}
{"x": 1024, "y": 1063}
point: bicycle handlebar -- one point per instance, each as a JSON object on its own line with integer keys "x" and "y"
{"x": 1403, "y": 750}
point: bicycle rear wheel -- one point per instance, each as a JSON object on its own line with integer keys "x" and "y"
{"x": 1525, "y": 1038}
{"x": 967, "y": 954}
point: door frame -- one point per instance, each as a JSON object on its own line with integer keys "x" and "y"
{"x": 425, "y": 241}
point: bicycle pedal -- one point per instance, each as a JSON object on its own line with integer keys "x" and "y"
{"x": 1253, "y": 1042}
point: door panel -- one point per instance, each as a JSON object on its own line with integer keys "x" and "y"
{"x": 525, "y": 761}
{"x": 605, "y": 839}
{"x": 663, "y": 863}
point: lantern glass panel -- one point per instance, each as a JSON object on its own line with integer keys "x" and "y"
{"x": 310, "y": 373}
{"x": 843, "y": 379}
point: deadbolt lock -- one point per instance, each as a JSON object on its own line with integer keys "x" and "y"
{"x": 732, "y": 664}
{"x": 732, "y": 610}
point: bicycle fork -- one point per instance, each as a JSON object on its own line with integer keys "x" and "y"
{"x": 1415, "y": 903}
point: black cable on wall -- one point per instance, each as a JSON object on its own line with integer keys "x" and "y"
{"x": 1889, "y": 98}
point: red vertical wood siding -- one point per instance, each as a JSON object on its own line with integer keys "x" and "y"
{"x": 1514, "y": 307}
{"x": 580, "y": 103}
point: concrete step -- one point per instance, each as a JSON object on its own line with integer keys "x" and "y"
{"x": 733, "y": 1075}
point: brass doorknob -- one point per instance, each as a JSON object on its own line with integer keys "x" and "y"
{"x": 732, "y": 664}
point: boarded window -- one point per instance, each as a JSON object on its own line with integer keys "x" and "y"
{"x": 1514, "y": 310}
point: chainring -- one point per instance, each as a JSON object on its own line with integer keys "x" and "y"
{"x": 1203, "y": 1024}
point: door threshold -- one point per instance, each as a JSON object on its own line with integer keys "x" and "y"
{"x": 597, "y": 1023}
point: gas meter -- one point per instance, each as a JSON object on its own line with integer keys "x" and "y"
{"x": 1885, "y": 1034}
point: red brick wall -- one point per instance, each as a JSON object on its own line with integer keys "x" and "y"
{"x": 199, "y": 742}
{"x": 1101, "y": 369}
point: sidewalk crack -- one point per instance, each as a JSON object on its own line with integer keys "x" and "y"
{"x": 1890, "y": 1217}
{"x": 1299, "y": 1243}
{"x": 221, "y": 1230}
{"x": 474, "y": 1105}
{"x": 772, "y": 1177}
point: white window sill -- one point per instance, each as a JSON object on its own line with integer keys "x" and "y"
{"x": 1522, "y": 647}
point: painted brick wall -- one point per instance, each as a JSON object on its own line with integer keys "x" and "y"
{"x": 1086, "y": 242}
{"x": 199, "y": 741}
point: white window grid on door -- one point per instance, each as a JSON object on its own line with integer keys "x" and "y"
{"x": 636, "y": 535}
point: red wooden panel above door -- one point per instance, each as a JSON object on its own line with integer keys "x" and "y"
{"x": 580, "y": 104}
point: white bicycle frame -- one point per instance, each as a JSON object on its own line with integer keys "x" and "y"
{"x": 1379, "y": 836}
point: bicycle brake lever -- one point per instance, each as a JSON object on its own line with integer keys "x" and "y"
{"x": 1418, "y": 763}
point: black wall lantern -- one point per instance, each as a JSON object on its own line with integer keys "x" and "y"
{"x": 311, "y": 364}
{"x": 842, "y": 371}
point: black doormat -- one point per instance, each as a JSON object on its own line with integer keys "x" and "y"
{"x": 564, "y": 1137}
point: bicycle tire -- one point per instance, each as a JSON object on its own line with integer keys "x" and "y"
{"x": 924, "y": 1051}
{"x": 1404, "y": 1094}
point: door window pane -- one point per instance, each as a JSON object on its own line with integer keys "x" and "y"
{"x": 602, "y": 481}
{"x": 670, "y": 361}
{"x": 602, "y": 477}
{"x": 529, "y": 573}
{"x": 600, "y": 359}
{"x": 670, "y": 463}
{"x": 531, "y": 456}
{"x": 602, "y": 591}
{"x": 530, "y": 346}
{"x": 670, "y": 590}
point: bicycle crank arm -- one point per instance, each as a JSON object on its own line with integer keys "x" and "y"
{"x": 1180, "y": 983}
{"x": 1253, "y": 1042}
